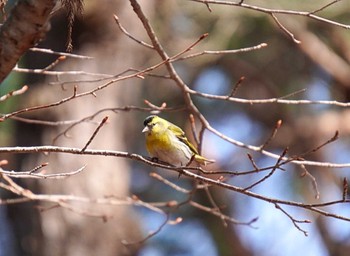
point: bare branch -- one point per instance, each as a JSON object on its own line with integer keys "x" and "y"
{"x": 194, "y": 132}
{"x": 271, "y": 172}
{"x": 324, "y": 7}
{"x": 168, "y": 183}
{"x": 248, "y": 49}
{"x": 31, "y": 174}
{"x": 294, "y": 221}
{"x": 273, "y": 134}
{"x": 224, "y": 217}
{"x": 148, "y": 161}
{"x": 345, "y": 189}
{"x": 14, "y": 93}
{"x": 104, "y": 120}
{"x": 129, "y": 35}
{"x": 310, "y": 15}
{"x": 40, "y": 107}
{"x": 279, "y": 100}
{"x": 59, "y": 73}
{"x": 236, "y": 87}
{"x": 151, "y": 234}
{"x": 70, "y": 55}
{"x": 313, "y": 179}
{"x": 284, "y": 29}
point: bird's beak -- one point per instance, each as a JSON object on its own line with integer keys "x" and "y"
{"x": 146, "y": 129}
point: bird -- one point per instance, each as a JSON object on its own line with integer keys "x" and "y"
{"x": 168, "y": 143}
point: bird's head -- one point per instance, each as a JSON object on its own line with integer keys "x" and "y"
{"x": 154, "y": 124}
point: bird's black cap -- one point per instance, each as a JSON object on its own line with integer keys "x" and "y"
{"x": 148, "y": 120}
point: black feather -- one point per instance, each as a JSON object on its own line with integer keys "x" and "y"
{"x": 148, "y": 120}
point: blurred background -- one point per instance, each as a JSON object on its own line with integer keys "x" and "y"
{"x": 320, "y": 65}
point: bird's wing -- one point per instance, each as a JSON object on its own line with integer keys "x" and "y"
{"x": 179, "y": 133}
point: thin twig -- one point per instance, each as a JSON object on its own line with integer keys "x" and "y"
{"x": 208, "y": 6}
{"x": 194, "y": 132}
{"x": 104, "y": 120}
{"x": 271, "y": 172}
{"x": 30, "y": 174}
{"x": 247, "y": 49}
{"x": 279, "y": 100}
{"x": 284, "y": 29}
{"x": 151, "y": 234}
{"x": 324, "y": 7}
{"x": 2, "y": 118}
{"x": 250, "y": 157}
{"x": 35, "y": 169}
{"x": 236, "y": 87}
{"x": 313, "y": 181}
{"x": 59, "y": 73}
{"x": 331, "y": 140}
{"x": 294, "y": 221}
{"x": 76, "y": 56}
{"x": 310, "y": 15}
{"x": 222, "y": 216}
{"x": 215, "y": 206}
{"x": 129, "y": 35}
{"x": 154, "y": 108}
{"x": 169, "y": 183}
{"x": 345, "y": 189}
{"x": 14, "y": 93}
{"x": 53, "y": 64}
{"x": 293, "y": 94}
{"x": 273, "y": 134}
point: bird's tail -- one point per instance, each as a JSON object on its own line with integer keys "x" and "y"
{"x": 202, "y": 160}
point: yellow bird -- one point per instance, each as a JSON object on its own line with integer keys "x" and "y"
{"x": 168, "y": 143}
